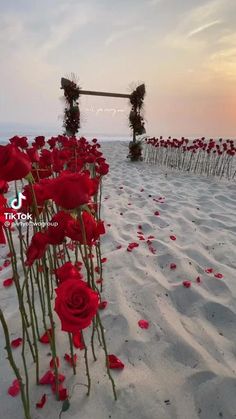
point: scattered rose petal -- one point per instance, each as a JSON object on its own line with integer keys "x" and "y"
{"x": 172, "y": 237}
{"x": 152, "y": 249}
{"x": 69, "y": 359}
{"x": 8, "y": 282}
{"x": 78, "y": 341}
{"x": 141, "y": 190}
{"x": 97, "y": 269}
{"x": 115, "y": 363}
{"x": 119, "y": 246}
{"x": 156, "y": 213}
{"x": 16, "y": 342}
{"x": 6, "y": 263}
{"x": 103, "y": 260}
{"x": 14, "y": 389}
{"x": 45, "y": 337}
{"x": 63, "y": 395}
{"x": 140, "y": 227}
{"x": 209, "y": 270}
{"x": 51, "y": 364}
{"x": 218, "y": 275}
{"x": 102, "y": 305}
{"x": 151, "y": 237}
{"x": 47, "y": 378}
{"x": 99, "y": 281}
{"x": 173, "y": 266}
{"x": 186, "y": 284}
{"x": 42, "y": 402}
{"x": 131, "y": 246}
{"x": 143, "y": 324}
{"x": 198, "y": 279}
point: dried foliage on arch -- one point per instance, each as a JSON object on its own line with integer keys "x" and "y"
{"x": 72, "y": 93}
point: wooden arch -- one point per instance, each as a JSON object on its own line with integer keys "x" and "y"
{"x": 72, "y": 93}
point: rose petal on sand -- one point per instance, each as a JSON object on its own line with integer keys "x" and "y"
{"x": 42, "y": 402}
{"x": 173, "y": 238}
{"x": 51, "y": 363}
{"x": 16, "y": 342}
{"x": 45, "y": 337}
{"x": 173, "y": 266}
{"x": 47, "y": 378}
{"x": 69, "y": 359}
{"x": 115, "y": 363}
{"x": 209, "y": 270}
{"x": 8, "y": 282}
{"x": 143, "y": 324}
{"x": 186, "y": 284}
{"x": 14, "y": 389}
{"x": 102, "y": 305}
{"x": 218, "y": 275}
{"x": 131, "y": 246}
{"x": 78, "y": 341}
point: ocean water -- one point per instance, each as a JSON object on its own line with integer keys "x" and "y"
{"x": 5, "y": 136}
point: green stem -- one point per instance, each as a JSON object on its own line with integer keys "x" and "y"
{"x": 14, "y": 367}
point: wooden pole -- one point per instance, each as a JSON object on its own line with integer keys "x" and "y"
{"x": 93, "y": 93}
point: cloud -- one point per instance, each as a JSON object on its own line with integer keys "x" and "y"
{"x": 203, "y": 28}
{"x": 201, "y": 18}
{"x": 117, "y": 35}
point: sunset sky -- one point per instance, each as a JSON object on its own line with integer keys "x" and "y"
{"x": 183, "y": 50}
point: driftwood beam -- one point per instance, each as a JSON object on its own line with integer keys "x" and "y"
{"x": 93, "y": 93}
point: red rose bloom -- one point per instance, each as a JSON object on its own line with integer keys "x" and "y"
{"x": 56, "y": 233}
{"x": 39, "y": 141}
{"x": 76, "y": 304}
{"x": 73, "y": 189}
{"x": 21, "y": 142}
{"x": 3, "y": 186}
{"x": 67, "y": 271}
{"x": 33, "y": 154}
{"x": 93, "y": 229}
{"x": 36, "y": 248}
{"x": 14, "y": 164}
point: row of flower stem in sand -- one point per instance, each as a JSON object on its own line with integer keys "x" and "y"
{"x": 53, "y": 243}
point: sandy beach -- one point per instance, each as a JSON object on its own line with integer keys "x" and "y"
{"x": 184, "y": 365}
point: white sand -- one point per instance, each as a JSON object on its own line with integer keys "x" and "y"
{"x": 184, "y": 365}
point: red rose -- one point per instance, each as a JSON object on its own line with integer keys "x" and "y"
{"x": 14, "y": 164}
{"x": 3, "y": 186}
{"x": 92, "y": 228}
{"x": 36, "y": 248}
{"x": 73, "y": 189}
{"x": 39, "y": 141}
{"x": 103, "y": 169}
{"x": 21, "y": 142}
{"x": 56, "y": 233}
{"x": 67, "y": 271}
{"x": 33, "y": 154}
{"x": 76, "y": 304}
